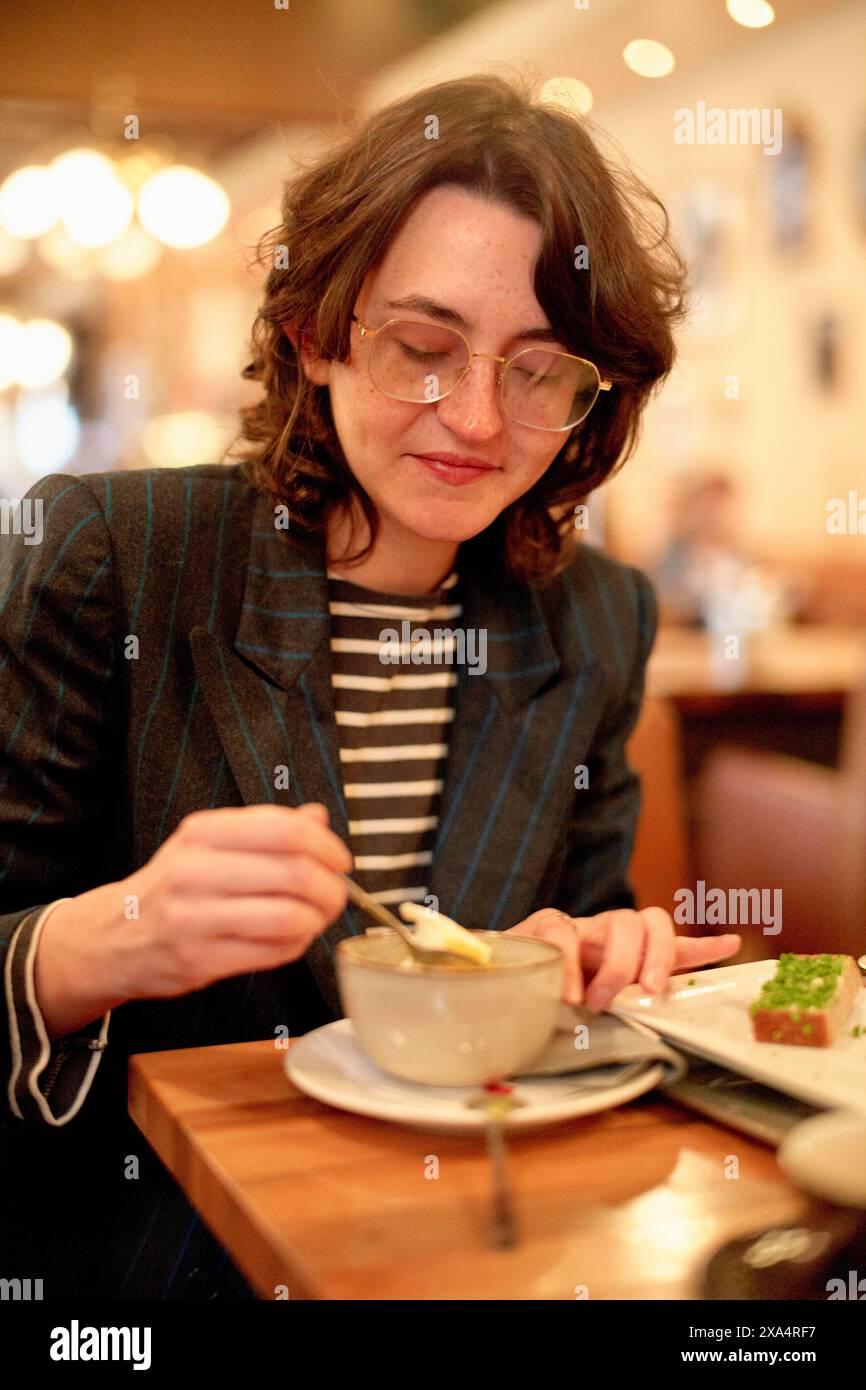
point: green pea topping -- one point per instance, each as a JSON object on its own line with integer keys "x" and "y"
{"x": 801, "y": 983}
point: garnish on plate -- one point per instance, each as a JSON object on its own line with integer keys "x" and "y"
{"x": 808, "y": 1001}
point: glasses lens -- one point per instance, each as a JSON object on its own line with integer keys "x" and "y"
{"x": 548, "y": 390}
{"x": 417, "y": 361}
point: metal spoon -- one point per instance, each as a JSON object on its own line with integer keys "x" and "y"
{"x": 496, "y": 1099}
{"x": 425, "y": 956}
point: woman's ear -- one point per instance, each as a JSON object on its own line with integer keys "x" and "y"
{"x": 315, "y": 368}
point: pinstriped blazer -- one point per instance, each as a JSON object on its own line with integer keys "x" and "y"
{"x": 165, "y": 648}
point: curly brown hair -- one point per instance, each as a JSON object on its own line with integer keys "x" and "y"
{"x": 338, "y": 218}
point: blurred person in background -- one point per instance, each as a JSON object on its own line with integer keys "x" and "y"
{"x": 703, "y": 550}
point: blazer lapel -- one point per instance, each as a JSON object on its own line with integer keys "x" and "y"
{"x": 518, "y": 729}
{"x": 268, "y": 690}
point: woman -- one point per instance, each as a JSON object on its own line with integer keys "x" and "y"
{"x": 202, "y": 730}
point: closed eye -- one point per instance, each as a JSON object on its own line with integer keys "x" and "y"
{"x": 416, "y": 356}
{"x": 538, "y": 379}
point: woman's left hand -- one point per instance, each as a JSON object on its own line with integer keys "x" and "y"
{"x": 617, "y": 948}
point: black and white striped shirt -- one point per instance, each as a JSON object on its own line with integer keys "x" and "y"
{"x": 393, "y": 722}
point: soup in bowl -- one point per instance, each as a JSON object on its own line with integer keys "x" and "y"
{"x": 455, "y": 1023}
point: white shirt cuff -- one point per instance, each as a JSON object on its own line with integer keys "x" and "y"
{"x": 73, "y": 1059}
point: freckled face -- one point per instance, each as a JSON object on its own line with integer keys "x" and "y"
{"x": 477, "y": 258}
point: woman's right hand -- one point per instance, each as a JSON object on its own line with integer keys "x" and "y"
{"x": 230, "y": 892}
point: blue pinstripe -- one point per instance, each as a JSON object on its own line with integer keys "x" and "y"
{"x": 494, "y": 811}
{"x": 37, "y": 812}
{"x": 278, "y": 715}
{"x": 145, "y": 559}
{"x": 336, "y": 782}
{"x": 196, "y": 690}
{"x": 272, "y": 651}
{"x": 193, "y": 1222}
{"x": 619, "y": 653}
{"x": 266, "y": 783}
{"x": 445, "y": 825}
{"x": 516, "y": 675}
{"x": 34, "y": 607}
{"x": 287, "y": 574}
{"x": 285, "y": 613}
{"x": 23, "y": 567}
{"x": 553, "y": 769}
{"x": 144, "y": 1239}
{"x": 578, "y": 618}
{"x": 336, "y": 786}
{"x": 154, "y": 704}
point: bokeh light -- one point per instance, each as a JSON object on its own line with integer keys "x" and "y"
{"x": 28, "y": 201}
{"x": 648, "y": 58}
{"x": 183, "y": 207}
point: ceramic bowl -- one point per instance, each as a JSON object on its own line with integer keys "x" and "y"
{"x": 450, "y": 1026}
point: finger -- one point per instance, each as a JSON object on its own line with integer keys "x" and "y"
{"x": 592, "y": 932}
{"x": 560, "y": 931}
{"x": 579, "y": 983}
{"x": 700, "y": 950}
{"x": 659, "y": 949}
{"x": 540, "y": 918}
{"x": 270, "y": 921}
{"x": 574, "y": 987}
{"x": 267, "y": 829}
{"x": 297, "y": 875}
{"x": 550, "y": 924}
{"x": 623, "y": 951}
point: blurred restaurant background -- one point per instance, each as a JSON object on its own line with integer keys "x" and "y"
{"x": 142, "y": 153}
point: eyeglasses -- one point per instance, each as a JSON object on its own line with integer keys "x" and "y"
{"x": 538, "y": 387}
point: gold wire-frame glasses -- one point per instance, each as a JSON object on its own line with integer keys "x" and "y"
{"x": 390, "y": 370}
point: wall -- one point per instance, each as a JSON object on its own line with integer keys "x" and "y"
{"x": 790, "y": 444}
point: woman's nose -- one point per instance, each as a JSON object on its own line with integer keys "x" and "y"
{"x": 474, "y": 407}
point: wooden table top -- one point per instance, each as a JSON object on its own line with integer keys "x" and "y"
{"x": 810, "y": 661}
{"x": 629, "y": 1203}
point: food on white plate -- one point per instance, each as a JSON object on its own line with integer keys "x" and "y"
{"x": 436, "y": 932}
{"x": 808, "y": 1001}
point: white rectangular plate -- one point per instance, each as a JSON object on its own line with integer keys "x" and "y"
{"x": 711, "y": 1018}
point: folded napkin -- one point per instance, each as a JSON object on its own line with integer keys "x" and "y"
{"x": 608, "y": 1047}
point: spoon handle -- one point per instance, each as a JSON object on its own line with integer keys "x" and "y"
{"x": 363, "y": 900}
{"x": 504, "y": 1230}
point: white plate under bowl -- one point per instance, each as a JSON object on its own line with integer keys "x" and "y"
{"x": 330, "y": 1065}
{"x": 711, "y": 1018}
{"x": 826, "y": 1155}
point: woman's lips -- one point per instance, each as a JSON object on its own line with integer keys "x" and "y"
{"x": 457, "y": 474}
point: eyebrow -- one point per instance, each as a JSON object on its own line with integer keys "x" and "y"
{"x": 420, "y": 304}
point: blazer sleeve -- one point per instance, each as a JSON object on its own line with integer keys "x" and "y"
{"x": 60, "y": 702}
{"x": 604, "y": 813}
